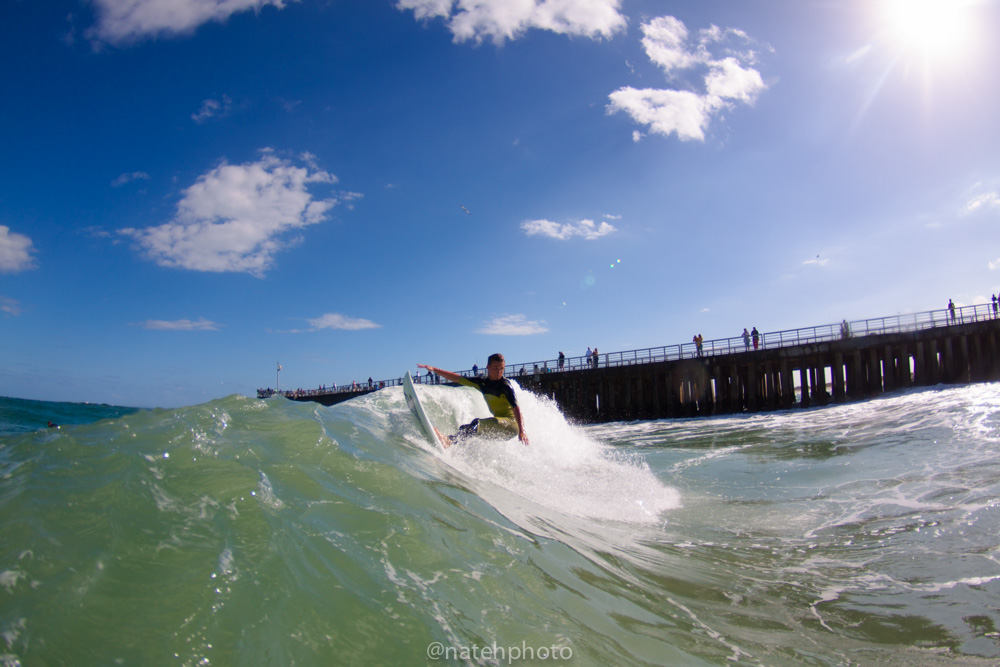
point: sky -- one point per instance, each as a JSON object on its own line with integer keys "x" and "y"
{"x": 195, "y": 191}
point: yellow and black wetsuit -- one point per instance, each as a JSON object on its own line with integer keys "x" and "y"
{"x": 501, "y": 401}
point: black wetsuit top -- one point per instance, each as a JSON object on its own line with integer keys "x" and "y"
{"x": 499, "y": 395}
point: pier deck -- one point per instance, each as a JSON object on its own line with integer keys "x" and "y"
{"x": 798, "y": 368}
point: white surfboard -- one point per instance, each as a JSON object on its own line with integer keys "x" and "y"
{"x": 425, "y": 421}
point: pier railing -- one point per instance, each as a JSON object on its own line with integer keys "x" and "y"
{"x": 764, "y": 341}
{"x": 769, "y": 340}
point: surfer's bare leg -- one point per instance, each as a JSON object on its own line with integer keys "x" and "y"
{"x": 445, "y": 442}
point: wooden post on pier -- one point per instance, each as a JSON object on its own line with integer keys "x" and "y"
{"x": 839, "y": 393}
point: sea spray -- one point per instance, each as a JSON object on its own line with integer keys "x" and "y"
{"x": 563, "y": 470}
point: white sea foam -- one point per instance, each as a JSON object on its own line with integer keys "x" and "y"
{"x": 563, "y": 468}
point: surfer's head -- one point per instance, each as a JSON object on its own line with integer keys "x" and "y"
{"x": 495, "y": 366}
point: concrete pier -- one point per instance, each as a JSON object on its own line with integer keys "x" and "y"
{"x": 806, "y": 375}
{"x": 800, "y": 368}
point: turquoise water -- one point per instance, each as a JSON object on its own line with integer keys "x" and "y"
{"x": 250, "y": 532}
{"x": 21, "y": 416}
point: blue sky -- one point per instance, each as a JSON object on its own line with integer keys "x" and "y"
{"x": 196, "y": 190}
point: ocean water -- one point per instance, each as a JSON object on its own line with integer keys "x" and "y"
{"x": 269, "y": 532}
{"x": 21, "y": 416}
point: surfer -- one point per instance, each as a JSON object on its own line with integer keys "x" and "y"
{"x": 506, "y": 421}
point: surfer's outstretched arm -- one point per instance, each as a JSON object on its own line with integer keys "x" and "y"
{"x": 447, "y": 375}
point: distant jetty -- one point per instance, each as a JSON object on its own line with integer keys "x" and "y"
{"x": 799, "y": 368}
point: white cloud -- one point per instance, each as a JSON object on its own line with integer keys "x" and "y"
{"x": 15, "y": 251}
{"x": 236, "y": 218}
{"x": 337, "y": 321}
{"x": 10, "y": 306}
{"x": 122, "y": 21}
{"x": 665, "y": 41}
{"x": 201, "y": 324}
{"x": 588, "y": 229}
{"x": 128, "y": 178}
{"x": 213, "y": 109}
{"x": 728, "y": 79}
{"x": 816, "y": 261}
{"x": 347, "y": 198}
{"x": 97, "y": 232}
{"x": 664, "y": 111}
{"x": 501, "y": 20}
{"x": 994, "y": 265}
{"x": 512, "y": 325}
{"x": 720, "y": 75}
{"x": 987, "y": 200}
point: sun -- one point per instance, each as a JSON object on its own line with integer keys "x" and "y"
{"x": 934, "y": 29}
{"x": 933, "y": 45}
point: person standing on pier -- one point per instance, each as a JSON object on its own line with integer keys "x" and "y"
{"x": 756, "y": 337}
{"x": 951, "y": 307}
{"x": 746, "y": 339}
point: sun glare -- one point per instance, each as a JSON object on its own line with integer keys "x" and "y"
{"x": 933, "y": 28}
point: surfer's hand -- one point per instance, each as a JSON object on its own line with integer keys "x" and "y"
{"x": 523, "y": 437}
